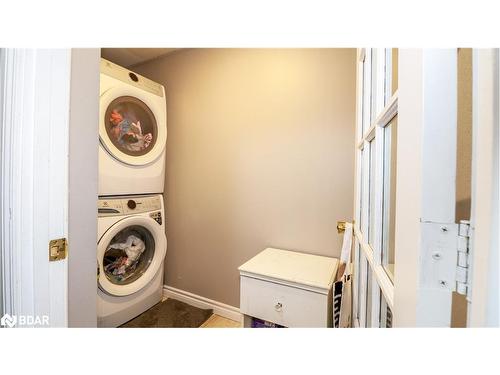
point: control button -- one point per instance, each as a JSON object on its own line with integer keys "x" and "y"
{"x": 133, "y": 77}
{"x": 131, "y": 204}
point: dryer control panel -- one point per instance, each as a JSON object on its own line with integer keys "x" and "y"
{"x": 131, "y": 78}
{"x": 127, "y": 205}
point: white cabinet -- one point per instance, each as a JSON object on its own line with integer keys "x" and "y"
{"x": 288, "y": 288}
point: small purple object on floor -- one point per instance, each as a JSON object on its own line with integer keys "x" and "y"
{"x": 259, "y": 323}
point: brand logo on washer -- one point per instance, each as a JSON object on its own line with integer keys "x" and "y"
{"x": 156, "y": 217}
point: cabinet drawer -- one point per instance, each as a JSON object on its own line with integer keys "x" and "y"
{"x": 284, "y": 305}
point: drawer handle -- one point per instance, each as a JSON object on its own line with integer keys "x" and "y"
{"x": 278, "y": 306}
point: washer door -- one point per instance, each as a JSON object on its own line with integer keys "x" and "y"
{"x": 132, "y": 125}
{"x": 130, "y": 254}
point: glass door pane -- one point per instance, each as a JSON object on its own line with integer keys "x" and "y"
{"x": 366, "y": 94}
{"x": 368, "y": 296}
{"x": 391, "y": 73}
{"x": 363, "y": 292}
{"x": 359, "y": 192}
{"x": 373, "y": 80}
{"x": 362, "y": 99}
{"x": 387, "y": 75}
{"x": 357, "y": 277}
{"x": 389, "y": 198}
{"x": 363, "y": 179}
{"x": 371, "y": 194}
{"x": 394, "y": 69}
{"x": 385, "y": 314}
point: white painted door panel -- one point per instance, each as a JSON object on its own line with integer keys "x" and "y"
{"x": 35, "y": 181}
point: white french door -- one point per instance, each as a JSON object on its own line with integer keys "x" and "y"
{"x": 377, "y": 112}
{"x": 406, "y": 259}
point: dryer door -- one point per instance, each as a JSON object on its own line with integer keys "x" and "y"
{"x": 130, "y": 254}
{"x": 132, "y": 125}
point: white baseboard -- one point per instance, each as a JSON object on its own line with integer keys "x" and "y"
{"x": 219, "y": 308}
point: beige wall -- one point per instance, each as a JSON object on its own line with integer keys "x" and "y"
{"x": 464, "y": 162}
{"x": 259, "y": 153}
{"x": 464, "y": 134}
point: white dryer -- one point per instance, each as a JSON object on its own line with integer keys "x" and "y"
{"x": 132, "y": 133}
{"x": 130, "y": 253}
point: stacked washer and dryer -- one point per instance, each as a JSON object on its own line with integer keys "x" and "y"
{"x": 131, "y": 218}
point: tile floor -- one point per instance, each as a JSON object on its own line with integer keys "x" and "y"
{"x": 217, "y": 321}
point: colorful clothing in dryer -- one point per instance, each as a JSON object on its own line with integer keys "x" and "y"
{"x": 129, "y": 133}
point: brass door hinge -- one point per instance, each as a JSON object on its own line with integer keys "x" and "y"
{"x": 58, "y": 249}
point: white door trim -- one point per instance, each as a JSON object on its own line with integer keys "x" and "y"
{"x": 484, "y": 295}
{"x": 2, "y": 80}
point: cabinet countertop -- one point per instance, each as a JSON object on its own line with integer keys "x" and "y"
{"x": 293, "y": 267}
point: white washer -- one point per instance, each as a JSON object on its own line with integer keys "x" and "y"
{"x": 132, "y": 133}
{"x": 124, "y": 293}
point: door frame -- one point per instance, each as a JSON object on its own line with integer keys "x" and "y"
{"x": 83, "y": 187}
{"x": 428, "y": 107}
{"x": 425, "y": 200}
{"x": 2, "y": 80}
{"x": 483, "y": 296}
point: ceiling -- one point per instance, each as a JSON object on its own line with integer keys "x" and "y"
{"x": 128, "y": 57}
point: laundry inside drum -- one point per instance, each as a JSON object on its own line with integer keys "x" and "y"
{"x": 128, "y": 255}
{"x": 131, "y": 125}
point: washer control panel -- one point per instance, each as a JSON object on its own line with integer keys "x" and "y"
{"x": 128, "y": 205}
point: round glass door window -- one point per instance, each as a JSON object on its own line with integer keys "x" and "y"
{"x": 131, "y": 125}
{"x": 128, "y": 255}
